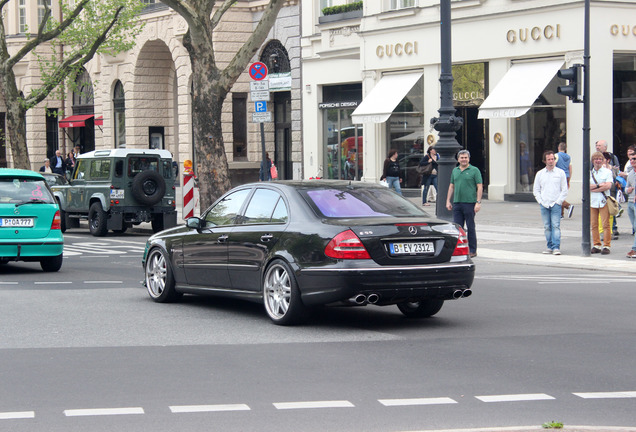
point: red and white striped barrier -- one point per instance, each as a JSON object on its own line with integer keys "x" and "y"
{"x": 188, "y": 196}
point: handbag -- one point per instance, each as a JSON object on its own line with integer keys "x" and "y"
{"x": 425, "y": 170}
{"x": 273, "y": 172}
{"x": 612, "y": 205}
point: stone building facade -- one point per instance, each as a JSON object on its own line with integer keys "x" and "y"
{"x": 142, "y": 98}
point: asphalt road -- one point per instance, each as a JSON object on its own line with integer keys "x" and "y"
{"x": 85, "y": 349}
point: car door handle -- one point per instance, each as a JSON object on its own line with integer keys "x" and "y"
{"x": 222, "y": 238}
{"x": 266, "y": 237}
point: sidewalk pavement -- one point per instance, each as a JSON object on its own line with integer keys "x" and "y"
{"x": 512, "y": 232}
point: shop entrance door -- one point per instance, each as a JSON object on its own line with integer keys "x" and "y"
{"x": 343, "y": 147}
{"x": 283, "y": 147}
{"x": 472, "y": 137}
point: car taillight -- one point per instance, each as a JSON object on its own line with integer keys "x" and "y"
{"x": 346, "y": 245}
{"x": 57, "y": 221}
{"x": 462, "y": 244}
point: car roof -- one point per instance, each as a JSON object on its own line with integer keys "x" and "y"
{"x": 320, "y": 184}
{"x": 13, "y": 172}
{"x": 121, "y": 152}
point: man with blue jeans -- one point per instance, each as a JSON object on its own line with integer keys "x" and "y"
{"x": 550, "y": 189}
{"x": 631, "y": 195}
{"x": 465, "y": 189}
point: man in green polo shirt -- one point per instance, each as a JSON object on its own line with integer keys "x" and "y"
{"x": 466, "y": 188}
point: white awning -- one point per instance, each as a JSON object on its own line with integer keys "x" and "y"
{"x": 379, "y": 104}
{"x": 518, "y": 89}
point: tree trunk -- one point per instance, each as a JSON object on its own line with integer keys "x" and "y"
{"x": 16, "y": 126}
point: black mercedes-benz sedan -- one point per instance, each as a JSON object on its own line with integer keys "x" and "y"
{"x": 298, "y": 244}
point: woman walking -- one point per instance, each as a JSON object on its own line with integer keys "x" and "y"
{"x": 391, "y": 171}
{"x": 428, "y": 168}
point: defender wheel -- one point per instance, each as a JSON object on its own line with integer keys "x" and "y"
{"x": 51, "y": 264}
{"x": 420, "y": 308}
{"x": 97, "y": 220}
{"x": 281, "y": 295}
{"x": 159, "y": 278}
{"x": 148, "y": 187}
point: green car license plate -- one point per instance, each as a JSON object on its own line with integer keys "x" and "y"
{"x": 413, "y": 248}
{"x": 16, "y": 222}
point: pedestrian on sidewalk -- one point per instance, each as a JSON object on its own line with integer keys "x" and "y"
{"x": 391, "y": 171}
{"x": 550, "y": 189}
{"x": 564, "y": 161}
{"x": 631, "y": 200}
{"x": 428, "y": 166}
{"x": 601, "y": 180}
{"x": 465, "y": 189}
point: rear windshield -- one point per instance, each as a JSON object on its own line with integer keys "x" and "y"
{"x": 18, "y": 190}
{"x": 359, "y": 203}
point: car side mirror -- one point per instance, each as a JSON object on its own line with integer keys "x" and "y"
{"x": 194, "y": 223}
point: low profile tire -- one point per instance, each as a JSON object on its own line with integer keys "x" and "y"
{"x": 148, "y": 187}
{"x": 51, "y": 264}
{"x": 281, "y": 295}
{"x": 97, "y": 220}
{"x": 159, "y": 278}
{"x": 421, "y": 308}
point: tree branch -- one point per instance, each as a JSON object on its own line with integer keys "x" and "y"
{"x": 216, "y": 18}
{"x": 45, "y": 37}
{"x": 76, "y": 60}
{"x": 47, "y": 14}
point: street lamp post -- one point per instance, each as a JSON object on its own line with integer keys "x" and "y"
{"x": 447, "y": 124}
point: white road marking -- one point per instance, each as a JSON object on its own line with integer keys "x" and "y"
{"x": 8, "y": 283}
{"x": 417, "y": 401}
{"x": 17, "y": 415}
{"x": 103, "y": 282}
{"x": 515, "y": 397}
{"x": 102, "y": 411}
{"x": 314, "y": 404}
{"x": 208, "y": 408}
{"x": 53, "y": 283}
{"x": 606, "y": 395}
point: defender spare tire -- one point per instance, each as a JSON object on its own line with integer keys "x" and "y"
{"x": 148, "y": 187}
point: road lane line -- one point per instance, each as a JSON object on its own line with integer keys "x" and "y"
{"x": 8, "y": 283}
{"x": 314, "y": 404}
{"x": 606, "y": 395}
{"x": 417, "y": 401}
{"x": 103, "y": 282}
{"x": 102, "y": 411}
{"x": 208, "y": 408}
{"x": 53, "y": 283}
{"x": 17, "y": 415}
{"x": 515, "y": 397}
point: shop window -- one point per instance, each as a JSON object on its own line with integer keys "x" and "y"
{"x": 542, "y": 128}
{"x": 406, "y": 134}
{"x": 119, "y": 106}
{"x": 624, "y": 104}
{"x": 342, "y": 157}
{"x": 52, "y": 131}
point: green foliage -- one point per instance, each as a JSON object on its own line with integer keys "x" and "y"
{"x": 468, "y": 78}
{"x": 78, "y": 40}
{"x": 552, "y": 425}
{"x": 332, "y": 10}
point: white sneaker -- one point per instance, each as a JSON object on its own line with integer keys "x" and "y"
{"x": 556, "y": 252}
{"x": 547, "y": 251}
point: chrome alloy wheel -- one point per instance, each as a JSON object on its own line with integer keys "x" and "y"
{"x": 156, "y": 273}
{"x": 278, "y": 291}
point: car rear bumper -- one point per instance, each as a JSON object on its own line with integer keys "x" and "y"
{"x": 392, "y": 284}
{"x": 35, "y": 248}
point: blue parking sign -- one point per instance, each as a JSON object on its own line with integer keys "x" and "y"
{"x": 260, "y": 106}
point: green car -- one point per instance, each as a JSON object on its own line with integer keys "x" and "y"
{"x": 30, "y": 224}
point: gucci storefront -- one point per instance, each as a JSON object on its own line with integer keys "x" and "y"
{"x": 505, "y": 89}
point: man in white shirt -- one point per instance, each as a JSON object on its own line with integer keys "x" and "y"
{"x": 550, "y": 189}
{"x": 601, "y": 180}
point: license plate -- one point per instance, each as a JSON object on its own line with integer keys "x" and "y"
{"x": 117, "y": 193}
{"x": 411, "y": 248}
{"x": 16, "y": 222}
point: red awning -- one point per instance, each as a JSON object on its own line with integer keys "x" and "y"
{"x": 75, "y": 121}
{"x": 99, "y": 121}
